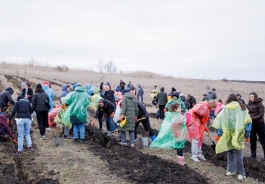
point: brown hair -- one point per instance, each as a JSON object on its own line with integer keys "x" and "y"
{"x": 173, "y": 107}
{"x": 212, "y": 104}
{"x": 255, "y": 96}
{"x": 28, "y": 84}
{"x": 220, "y": 101}
{"x": 231, "y": 98}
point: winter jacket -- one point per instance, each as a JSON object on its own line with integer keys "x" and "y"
{"x": 192, "y": 101}
{"x": 6, "y": 97}
{"x": 3, "y": 123}
{"x": 256, "y": 111}
{"x": 109, "y": 95}
{"x": 38, "y": 102}
{"x": 50, "y": 93}
{"x": 29, "y": 94}
{"x": 184, "y": 100}
{"x": 108, "y": 108}
{"x": 118, "y": 89}
{"x": 129, "y": 86}
{"x": 64, "y": 92}
{"x": 206, "y": 98}
{"x": 141, "y": 110}
{"x": 162, "y": 97}
{"x": 77, "y": 103}
{"x": 23, "y": 109}
{"x": 130, "y": 111}
{"x": 140, "y": 91}
{"x": 212, "y": 95}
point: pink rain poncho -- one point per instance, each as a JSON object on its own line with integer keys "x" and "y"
{"x": 52, "y": 115}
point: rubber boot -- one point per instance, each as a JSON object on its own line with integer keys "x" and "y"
{"x": 181, "y": 160}
{"x": 153, "y": 137}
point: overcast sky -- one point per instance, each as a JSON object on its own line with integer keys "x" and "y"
{"x": 191, "y": 39}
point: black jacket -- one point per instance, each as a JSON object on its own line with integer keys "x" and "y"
{"x": 108, "y": 108}
{"x": 141, "y": 110}
{"x": 38, "y": 102}
{"x": 192, "y": 101}
{"x": 162, "y": 97}
{"x": 23, "y": 109}
{"x": 256, "y": 111}
{"x": 185, "y": 101}
{"x": 109, "y": 95}
{"x": 6, "y": 97}
{"x": 29, "y": 94}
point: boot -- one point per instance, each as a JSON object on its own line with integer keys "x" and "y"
{"x": 253, "y": 155}
{"x": 194, "y": 158}
{"x": 201, "y": 157}
{"x": 153, "y": 137}
{"x": 181, "y": 160}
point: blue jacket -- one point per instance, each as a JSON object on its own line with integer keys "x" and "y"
{"x": 64, "y": 92}
{"x": 50, "y": 93}
{"x": 247, "y": 131}
{"x": 141, "y": 91}
{"x": 118, "y": 89}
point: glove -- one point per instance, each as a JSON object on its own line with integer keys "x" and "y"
{"x": 28, "y": 96}
{"x": 247, "y": 139}
{"x": 9, "y": 121}
{"x": 16, "y": 92}
{"x": 216, "y": 138}
{"x": 122, "y": 117}
{"x": 206, "y": 129}
{"x": 165, "y": 110}
{"x": 93, "y": 122}
{"x": 14, "y": 141}
{"x": 112, "y": 115}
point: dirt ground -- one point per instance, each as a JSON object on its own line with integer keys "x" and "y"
{"x": 102, "y": 160}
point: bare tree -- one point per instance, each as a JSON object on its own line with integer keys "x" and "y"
{"x": 110, "y": 67}
{"x": 100, "y": 65}
{"x": 32, "y": 61}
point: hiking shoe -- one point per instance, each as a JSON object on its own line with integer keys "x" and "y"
{"x": 132, "y": 145}
{"x": 82, "y": 141}
{"x": 195, "y": 158}
{"x": 123, "y": 143}
{"x": 75, "y": 140}
{"x": 114, "y": 130}
{"x": 31, "y": 148}
{"x": 68, "y": 137}
{"x": 201, "y": 157}
{"x": 48, "y": 128}
{"x": 241, "y": 177}
{"x": 18, "y": 152}
{"x": 135, "y": 140}
{"x": 42, "y": 137}
{"x": 109, "y": 133}
{"x": 230, "y": 173}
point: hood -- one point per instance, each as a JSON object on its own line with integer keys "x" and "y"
{"x": 128, "y": 95}
{"x": 173, "y": 89}
{"x": 45, "y": 87}
{"x": 162, "y": 89}
{"x": 125, "y": 91}
{"x": 258, "y": 100}
{"x": 10, "y": 90}
{"x": 232, "y": 105}
{"x": 182, "y": 94}
{"x": 183, "y": 98}
{"x": 110, "y": 91}
{"x": 64, "y": 87}
{"x": 210, "y": 92}
{"x": 80, "y": 89}
{"x": 88, "y": 86}
{"x": 96, "y": 90}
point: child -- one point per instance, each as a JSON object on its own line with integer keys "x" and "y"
{"x": 219, "y": 107}
{"x": 176, "y": 99}
{"x": 173, "y": 132}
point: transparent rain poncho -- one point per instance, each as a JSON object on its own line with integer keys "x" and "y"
{"x": 232, "y": 120}
{"x": 94, "y": 99}
{"x": 172, "y": 133}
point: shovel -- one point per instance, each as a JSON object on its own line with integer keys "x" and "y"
{"x": 213, "y": 145}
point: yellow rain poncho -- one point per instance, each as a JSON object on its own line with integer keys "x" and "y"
{"x": 172, "y": 133}
{"x": 232, "y": 120}
{"x": 94, "y": 99}
{"x": 154, "y": 93}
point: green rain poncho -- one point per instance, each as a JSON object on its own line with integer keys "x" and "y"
{"x": 232, "y": 120}
{"x": 172, "y": 133}
{"x": 77, "y": 102}
{"x": 179, "y": 101}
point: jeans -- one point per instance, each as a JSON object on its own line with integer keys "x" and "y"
{"x": 42, "y": 119}
{"x": 142, "y": 98}
{"x": 79, "y": 127}
{"x": 146, "y": 125}
{"x": 110, "y": 125}
{"x": 123, "y": 137}
{"x": 23, "y": 128}
{"x": 235, "y": 162}
{"x": 212, "y": 114}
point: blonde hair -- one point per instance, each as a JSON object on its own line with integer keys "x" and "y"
{"x": 212, "y": 104}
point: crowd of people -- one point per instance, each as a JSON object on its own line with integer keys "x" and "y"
{"x": 235, "y": 121}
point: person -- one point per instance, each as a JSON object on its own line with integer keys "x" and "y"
{"x": 175, "y": 99}
{"x": 6, "y": 97}
{"x": 101, "y": 86}
{"x": 192, "y": 100}
{"x": 154, "y": 95}
{"x": 65, "y": 91}
{"x": 23, "y": 119}
{"x": 140, "y": 93}
{"x": 173, "y": 132}
{"x": 106, "y": 108}
{"x": 129, "y": 111}
{"x": 143, "y": 117}
{"x": 4, "y": 128}
{"x": 89, "y": 89}
{"x": 219, "y": 107}
{"x": 27, "y": 91}
{"x": 184, "y": 100}
{"x": 240, "y": 99}
{"x": 118, "y": 89}
{"x": 122, "y": 85}
{"x": 212, "y": 96}
{"x": 256, "y": 112}
{"x": 133, "y": 92}
{"x": 129, "y": 85}
{"x": 205, "y": 97}
{"x": 95, "y": 98}
{"x": 108, "y": 94}
{"x": 234, "y": 125}
{"x": 76, "y": 104}
{"x": 169, "y": 96}
{"x": 46, "y": 87}
{"x": 74, "y": 85}
{"x": 41, "y": 108}
{"x": 199, "y": 116}
{"x": 108, "y": 85}
{"x": 162, "y": 101}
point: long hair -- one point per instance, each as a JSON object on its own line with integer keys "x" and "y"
{"x": 255, "y": 97}
{"x": 173, "y": 107}
{"x": 231, "y": 98}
